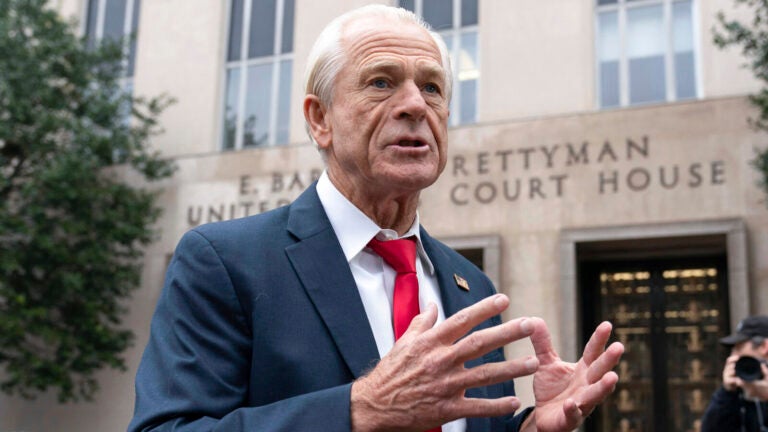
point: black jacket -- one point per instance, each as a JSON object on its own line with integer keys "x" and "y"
{"x": 730, "y": 412}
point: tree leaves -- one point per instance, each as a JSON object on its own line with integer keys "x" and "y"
{"x": 71, "y": 233}
{"x": 752, "y": 38}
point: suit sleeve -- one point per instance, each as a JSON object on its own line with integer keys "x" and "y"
{"x": 195, "y": 372}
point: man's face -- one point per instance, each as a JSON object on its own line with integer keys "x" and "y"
{"x": 389, "y": 114}
{"x": 747, "y": 348}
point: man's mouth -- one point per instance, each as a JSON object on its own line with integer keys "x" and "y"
{"x": 411, "y": 143}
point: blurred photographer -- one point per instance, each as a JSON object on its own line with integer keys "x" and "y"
{"x": 741, "y": 404}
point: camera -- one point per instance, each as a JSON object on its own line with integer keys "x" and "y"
{"x": 748, "y": 368}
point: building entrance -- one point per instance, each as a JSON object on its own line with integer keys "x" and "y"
{"x": 669, "y": 313}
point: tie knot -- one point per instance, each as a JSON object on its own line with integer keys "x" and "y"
{"x": 399, "y": 254}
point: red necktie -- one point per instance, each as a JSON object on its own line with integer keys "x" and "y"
{"x": 401, "y": 256}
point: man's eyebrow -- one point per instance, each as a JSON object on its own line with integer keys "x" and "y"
{"x": 432, "y": 71}
{"x": 380, "y": 66}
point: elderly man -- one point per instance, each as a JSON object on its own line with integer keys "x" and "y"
{"x": 339, "y": 312}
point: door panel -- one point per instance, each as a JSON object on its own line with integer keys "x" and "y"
{"x": 669, "y": 314}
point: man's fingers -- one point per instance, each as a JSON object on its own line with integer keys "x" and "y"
{"x": 458, "y": 325}
{"x": 496, "y": 372}
{"x": 471, "y": 407}
{"x": 597, "y": 342}
{"x": 597, "y": 392}
{"x": 605, "y": 362}
{"x": 421, "y": 323}
{"x": 542, "y": 342}
{"x": 573, "y": 415}
{"x": 481, "y": 342}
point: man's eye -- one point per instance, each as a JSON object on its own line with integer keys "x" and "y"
{"x": 379, "y": 83}
{"x": 431, "y": 88}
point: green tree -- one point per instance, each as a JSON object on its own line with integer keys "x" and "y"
{"x": 71, "y": 231}
{"x": 752, "y": 37}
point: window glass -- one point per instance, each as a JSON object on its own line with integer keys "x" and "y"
{"x": 685, "y": 69}
{"x": 468, "y": 13}
{"x": 608, "y": 53}
{"x": 266, "y": 73}
{"x": 469, "y": 72}
{"x": 92, "y": 23}
{"x": 638, "y": 59}
{"x": 287, "y": 42}
{"x": 231, "y": 107}
{"x": 608, "y": 36}
{"x": 645, "y": 31}
{"x": 685, "y": 75}
{"x": 468, "y": 67}
{"x": 117, "y": 21}
{"x": 407, "y": 4}
{"x": 257, "y": 106}
{"x": 645, "y": 51}
{"x": 682, "y": 26}
{"x": 235, "y": 30}
{"x": 284, "y": 101}
{"x": 261, "y": 40}
{"x": 114, "y": 20}
{"x": 438, "y": 13}
{"x": 468, "y": 112}
{"x": 609, "y": 84}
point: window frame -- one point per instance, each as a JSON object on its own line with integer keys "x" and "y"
{"x": 621, "y": 8}
{"x": 243, "y": 63}
{"x": 454, "y": 34}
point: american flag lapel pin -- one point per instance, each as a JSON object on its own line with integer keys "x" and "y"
{"x": 461, "y": 282}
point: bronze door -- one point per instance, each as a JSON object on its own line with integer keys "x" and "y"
{"x": 669, "y": 314}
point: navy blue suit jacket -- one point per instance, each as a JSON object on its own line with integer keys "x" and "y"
{"x": 260, "y": 327}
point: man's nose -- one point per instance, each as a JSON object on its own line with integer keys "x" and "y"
{"x": 410, "y": 103}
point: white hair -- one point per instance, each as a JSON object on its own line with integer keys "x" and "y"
{"x": 327, "y": 56}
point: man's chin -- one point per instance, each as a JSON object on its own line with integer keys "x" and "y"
{"x": 412, "y": 181}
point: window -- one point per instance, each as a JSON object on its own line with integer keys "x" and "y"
{"x": 645, "y": 52}
{"x": 258, "y": 73}
{"x": 456, "y": 21}
{"x": 115, "y": 20}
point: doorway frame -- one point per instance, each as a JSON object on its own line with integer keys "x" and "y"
{"x": 736, "y": 258}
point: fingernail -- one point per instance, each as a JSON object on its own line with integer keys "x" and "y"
{"x": 499, "y": 300}
{"x": 531, "y": 364}
{"x": 526, "y": 327}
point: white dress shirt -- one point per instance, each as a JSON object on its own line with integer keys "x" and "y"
{"x": 374, "y": 278}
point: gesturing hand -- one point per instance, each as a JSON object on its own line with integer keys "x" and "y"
{"x": 420, "y": 384}
{"x": 568, "y": 392}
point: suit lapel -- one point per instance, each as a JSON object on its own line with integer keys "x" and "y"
{"x": 319, "y": 262}
{"x": 454, "y": 298}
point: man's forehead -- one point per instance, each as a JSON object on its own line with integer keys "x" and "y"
{"x": 373, "y": 34}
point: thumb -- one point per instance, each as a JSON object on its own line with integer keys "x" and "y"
{"x": 542, "y": 342}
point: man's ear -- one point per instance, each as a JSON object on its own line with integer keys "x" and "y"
{"x": 763, "y": 349}
{"x": 316, "y": 115}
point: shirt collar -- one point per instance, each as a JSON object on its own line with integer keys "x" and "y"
{"x": 354, "y": 229}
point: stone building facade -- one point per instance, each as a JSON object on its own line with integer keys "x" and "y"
{"x": 599, "y": 168}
